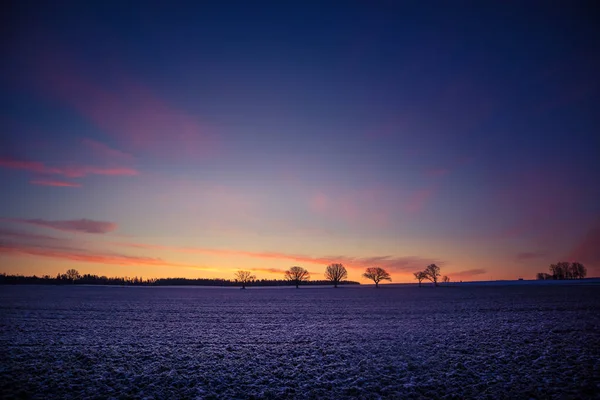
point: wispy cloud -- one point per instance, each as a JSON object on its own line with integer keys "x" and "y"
{"x": 77, "y": 225}
{"x": 268, "y": 270}
{"x": 32, "y": 166}
{"x": 393, "y": 263}
{"x": 469, "y": 273}
{"x": 46, "y": 182}
{"x": 71, "y": 171}
{"x": 81, "y": 255}
{"x": 122, "y": 107}
{"x": 20, "y": 235}
{"x": 81, "y": 171}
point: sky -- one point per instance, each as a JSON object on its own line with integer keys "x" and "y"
{"x": 195, "y": 139}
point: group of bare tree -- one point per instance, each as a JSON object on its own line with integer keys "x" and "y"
{"x": 432, "y": 273}
{"x": 564, "y": 270}
{"x": 334, "y": 273}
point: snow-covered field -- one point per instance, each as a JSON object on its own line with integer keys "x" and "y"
{"x": 320, "y": 343}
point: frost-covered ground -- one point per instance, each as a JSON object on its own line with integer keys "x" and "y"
{"x": 320, "y": 343}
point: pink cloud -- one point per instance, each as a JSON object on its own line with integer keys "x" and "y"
{"x": 78, "y": 225}
{"x": 71, "y": 171}
{"x": 395, "y": 264}
{"x": 45, "y": 182}
{"x": 32, "y": 166}
{"x": 87, "y": 256}
{"x": 81, "y": 171}
{"x": 124, "y": 108}
{"x": 467, "y": 273}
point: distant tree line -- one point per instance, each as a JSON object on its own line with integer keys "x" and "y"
{"x": 564, "y": 270}
{"x": 335, "y": 274}
{"x": 88, "y": 279}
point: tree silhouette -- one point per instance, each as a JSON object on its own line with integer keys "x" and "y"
{"x": 564, "y": 270}
{"x": 297, "y": 275}
{"x": 72, "y": 275}
{"x": 445, "y": 279}
{"x": 560, "y": 270}
{"x": 420, "y": 276}
{"x": 432, "y": 272}
{"x": 244, "y": 277}
{"x": 377, "y": 274}
{"x": 335, "y": 273}
{"x": 578, "y": 270}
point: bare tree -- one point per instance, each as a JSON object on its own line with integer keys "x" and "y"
{"x": 556, "y": 271}
{"x": 297, "y": 275}
{"x": 336, "y": 273}
{"x": 432, "y": 272}
{"x": 377, "y": 275}
{"x": 560, "y": 270}
{"x": 445, "y": 279}
{"x": 420, "y": 276}
{"x": 72, "y": 275}
{"x": 244, "y": 277}
{"x": 578, "y": 270}
{"x": 566, "y": 269}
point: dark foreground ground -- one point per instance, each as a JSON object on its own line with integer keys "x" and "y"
{"x": 395, "y": 342}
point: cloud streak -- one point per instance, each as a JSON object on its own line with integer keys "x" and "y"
{"x": 392, "y": 263}
{"x": 76, "y": 225}
{"x": 268, "y": 270}
{"x": 123, "y": 108}
{"x": 71, "y": 171}
{"x": 468, "y": 273}
{"x": 87, "y": 256}
{"x": 14, "y": 234}
{"x": 55, "y": 183}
